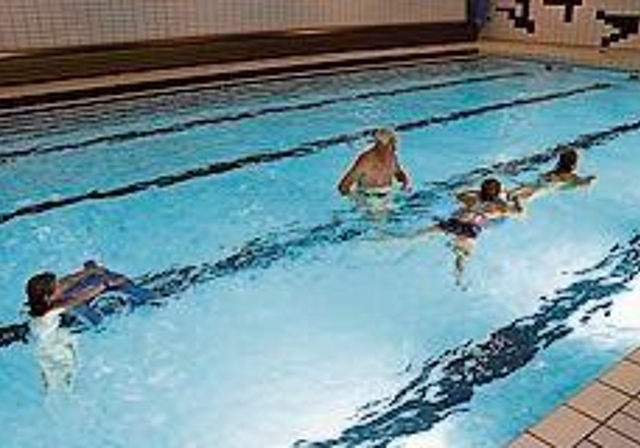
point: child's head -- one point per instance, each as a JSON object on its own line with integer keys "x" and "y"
{"x": 490, "y": 189}
{"x": 39, "y": 289}
{"x": 90, "y": 264}
{"x": 567, "y": 162}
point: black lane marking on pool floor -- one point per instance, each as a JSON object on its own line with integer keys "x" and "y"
{"x": 263, "y": 252}
{"x": 9, "y": 156}
{"x": 206, "y": 86}
{"x": 302, "y": 150}
{"x": 43, "y": 125}
{"x": 315, "y": 68}
{"x": 445, "y": 383}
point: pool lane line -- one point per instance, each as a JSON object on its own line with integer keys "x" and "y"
{"x": 11, "y": 156}
{"x": 10, "y": 137}
{"x": 443, "y": 383}
{"x": 93, "y": 116}
{"x": 263, "y": 252}
{"x": 227, "y": 80}
{"x": 303, "y": 150}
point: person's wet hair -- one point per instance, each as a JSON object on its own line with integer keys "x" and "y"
{"x": 38, "y": 289}
{"x": 385, "y": 137}
{"x": 490, "y": 189}
{"x": 567, "y": 162}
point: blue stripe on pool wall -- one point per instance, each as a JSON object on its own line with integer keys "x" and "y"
{"x": 302, "y": 150}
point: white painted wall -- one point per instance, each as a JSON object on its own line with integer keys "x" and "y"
{"x": 550, "y": 26}
{"x": 58, "y": 23}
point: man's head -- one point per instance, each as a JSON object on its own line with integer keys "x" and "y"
{"x": 385, "y": 138}
{"x": 490, "y": 189}
{"x": 567, "y": 162}
{"x": 39, "y": 290}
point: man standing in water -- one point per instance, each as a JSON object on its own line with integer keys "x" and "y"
{"x": 369, "y": 180}
{"x": 375, "y": 169}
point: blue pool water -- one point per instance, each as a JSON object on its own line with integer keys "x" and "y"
{"x": 287, "y": 318}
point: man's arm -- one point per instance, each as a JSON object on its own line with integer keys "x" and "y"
{"x": 350, "y": 177}
{"x": 400, "y": 174}
{"x": 402, "y": 177}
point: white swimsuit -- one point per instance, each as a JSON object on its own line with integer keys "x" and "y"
{"x": 55, "y": 350}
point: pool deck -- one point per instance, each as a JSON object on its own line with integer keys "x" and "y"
{"x": 614, "y": 58}
{"x": 604, "y": 414}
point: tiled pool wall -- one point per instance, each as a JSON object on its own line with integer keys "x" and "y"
{"x": 36, "y": 24}
{"x": 594, "y": 23}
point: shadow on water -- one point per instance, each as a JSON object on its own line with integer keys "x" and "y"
{"x": 448, "y": 381}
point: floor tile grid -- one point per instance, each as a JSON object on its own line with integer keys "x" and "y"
{"x": 622, "y": 381}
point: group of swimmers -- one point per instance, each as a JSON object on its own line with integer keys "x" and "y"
{"x": 370, "y": 179}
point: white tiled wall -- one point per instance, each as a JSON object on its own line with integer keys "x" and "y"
{"x": 585, "y": 29}
{"x": 55, "y": 23}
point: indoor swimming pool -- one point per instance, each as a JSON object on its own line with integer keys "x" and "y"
{"x": 285, "y": 315}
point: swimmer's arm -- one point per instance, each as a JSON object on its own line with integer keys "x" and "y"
{"x": 114, "y": 280}
{"x": 513, "y": 207}
{"x": 347, "y": 182}
{"x": 585, "y": 181}
{"x": 90, "y": 268}
{"x": 350, "y": 177}
{"x": 571, "y": 181}
{"x": 401, "y": 176}
{"x": 467, "y": 198}
{"x": 525, "y": 192}
{"x": 70, "y": 280}
{"x": 82, "y": 297}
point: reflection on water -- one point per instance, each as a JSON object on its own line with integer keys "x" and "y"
{"x": 450, "y": 380}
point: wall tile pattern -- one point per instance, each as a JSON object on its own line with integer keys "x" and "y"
{"x": 601, "y": 23}
{"x": 28, "y": 24}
